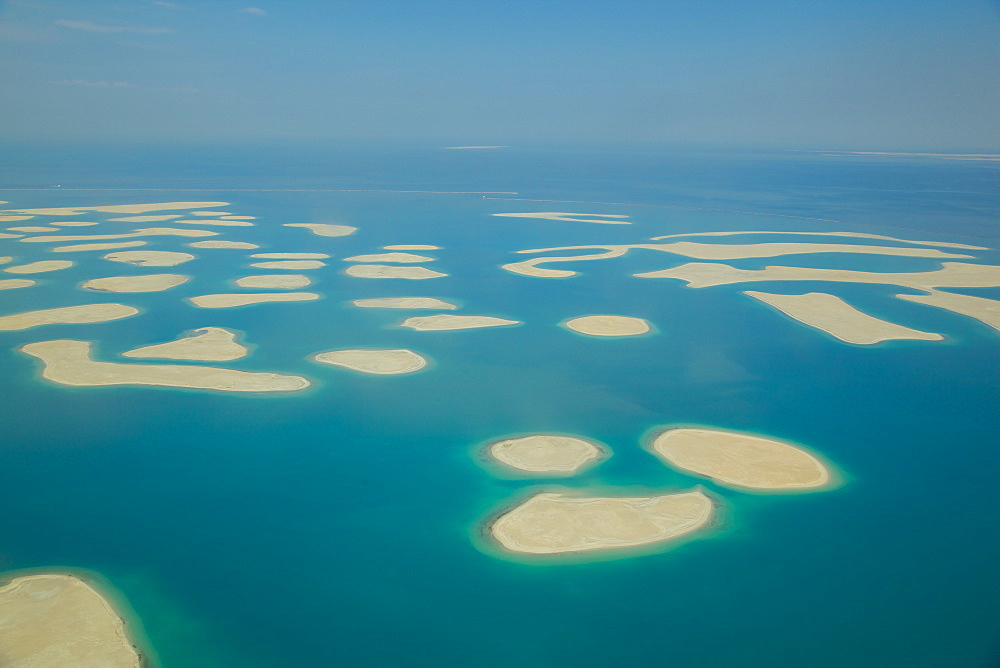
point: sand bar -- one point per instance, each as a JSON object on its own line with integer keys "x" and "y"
{"x": 556, "y": 523}
{"x": 147, "y": 219}
{"x": 405, "y": 303}
{"x": 68, "y": 362}
{"x": 145, "y": 232}
{"x": 222, "y": 244}
{"x": 605, "y": 218}
{"x": 5, "y": 235}
{"x": 95, "y": 247}
{"x": 143, "y": 283}
{"x": 409, "y": 247}
{"x": 14, "y": 219}
{"x": 389, "y": 257}
{"x": 238, "y": 217}
{"x": 951, "y": 275}
{"x": 741, "y": 461}
{"x": 55, "y": 619}
{"x": 32, "y": 228}
{"x": 13, "y": 283}
{"x": 66, "y": 315}
{"x": 232, "y": 300}
{"x": 387, "y": 271}
{"x": 326, "y": 230}
{"x": 276, "y": 281}
{"x": 74, "y": 223}
{"x": 6, "y": 258}
{"x": 608, "y": 325}
{"x": 208, "y": 344}
{"x": 150, "y": 258}
{"x": 209, "y": 213}
{"x": 382, "y": 362}
{"x": 857, "y": 235}
{"x": 119, "y": 208}
{"x": 547, "y": 454}
{"x": 289, "y": 264}
{"x": 291, "y": 256}
{"x": 215, "y": 223}
{"x": 444, "y": 321}
{"x": 39, "y": 267}
{"x": 985, "y": 310}
{"x": 836, "y": 317}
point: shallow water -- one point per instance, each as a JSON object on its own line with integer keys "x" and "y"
{"x": 338, "y": 526}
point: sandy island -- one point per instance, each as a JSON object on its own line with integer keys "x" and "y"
{"x": 858, "y": 235}
{"x": 32, "y": 228}
{"x": 55, "y": 619}
{"x": 73, "y": 223}
{"x": 150, "y": 258}
{"x": 231, "y": 300}
{"x": 276, "y": 281}
{"x": 39, "y": 267}
{"x": 741, "y": 461}
{"x": 95, "y": 247}
{"x": 409, "y": 247}
{"x": 547, "y": 454}
{"x": 13, "y": 283}
{"x": 238, "y": 217}
{"x": 605, "y": 218}
{"x": 222, "y": 244}
{"x": 289, "y": 264}
{"x": 556, "y": 523}
{"x": 836, "y": 317}
{"x": 608, "y": 325}
{"x": 383, "y": 362}
{"x": 208, "y": 344}
{"x": 66, "y": 315}
{"x": 444, "y": 321}
{"x": 386, "y": 271}
{"x": 325, "y": 230}
{"x": 119, "y": 208}
{"x": 214, "y": 223}
{"x": 210, "y": 213}
{"x": 5, "y": 235}
{"x": 291, "y": 256}
{"x": 145, "y": 232}
{"x": 389, "y": 257}
{"x": 985, "y": 310}
{"x": 147, "y": 219}
{"x": 405, "y": 303}
{"x": 144, "y": 283}
{"x": 68, "y": 362}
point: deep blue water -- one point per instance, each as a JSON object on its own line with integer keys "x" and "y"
{"x": 338, "y": 526}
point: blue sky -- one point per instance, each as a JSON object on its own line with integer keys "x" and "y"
{"x": 849, "y": 74}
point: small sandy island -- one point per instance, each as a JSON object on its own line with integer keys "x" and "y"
{"x": 74, "y": 223}
{"x": 326, "y": 230}
{"x": 741, "y": 461}
{"x": 389, "y": 257}
{"x": 231, "y": 300}
{"x": 68, "y": 362}
{"x": 386, "y": 271}
{"x": 39, "y": 267}
{"x": 289, "y": 264}
{"x": 836, "y": 317}
{"x": 608, "y": 325}
{"x": 605, "y": 218}
{"x": 547, "y": 454}
{"x": 55, "y": 619}
{"x": 150, "y": 258}
{"x": 556, "y": 523}
{"x": 223, "y": 244}
{"x": 985, "y": 310}
{"x": 147, "y": 219}
{"x": 96, "y": 247}
{"x": 215, "y": 223}
{"x": 208, "y": 344}
{"x": 291, "y": 256}
{"x": 13, "y": 283}
{"x": 276, "y": 281}
{"x": 383, "y": 362}
{"x": 444, "y": 321}
{"x": 66, "y": 315}
{"x": 405, "y": 303}
{"x": 409, "y": 247}
{"x": 145, "y": 283}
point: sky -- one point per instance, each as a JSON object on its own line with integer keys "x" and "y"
{"x": 810, "y": 74}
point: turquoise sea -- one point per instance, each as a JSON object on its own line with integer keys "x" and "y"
{"x": 340, "y": 526}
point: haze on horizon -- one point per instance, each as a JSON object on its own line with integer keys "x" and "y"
{"x": 831, "y": 74}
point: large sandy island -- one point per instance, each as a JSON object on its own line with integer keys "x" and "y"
{"x": 96, "y": 247}
{"x": 608, "y": 325}
{"x": 150, "y": 258}
{"x": 835, "y": 316}
{"x": 215, "y": 223}
{"x": 547, "y": 454}
{"x": 231, "y": 300}
{"x": 208, "y": 344}
{"x": 66, "y": 315}
{"x": 409, "y": 247}
{"x": 383, "y": 362}
{"x": 605, "y": 218}
{"x": 555, "y": 523}
{"x": 857, "y": 235}
{"x": 68, "y": 362}
{"x": 406, "y": 303}
{"x": 13, "y": 283}
{"x": 291, "y": 256}
{"x": 289, "y": 264}
{"x": 275, "y": 281}
{"x": 145, "y": 232}
{"x": 389, "y": 257}
{"x": 326, "y": 230}
{"x": 444, "y": 321}
{"x": 39, "y": 267}
{"x": 741, "y": 461}
{"x": 56, "y": 620}
{"x": 386, "y": 271}
{"x": 144, "y": 283}
{"x": 985, "y": 310}
{"x": 222, "y": 244}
